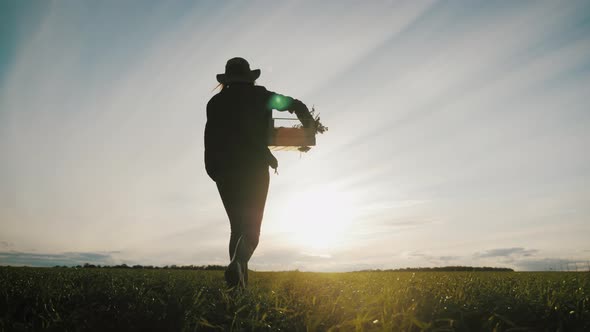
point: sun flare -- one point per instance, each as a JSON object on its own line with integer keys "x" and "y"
{"x": 316, "y": 220}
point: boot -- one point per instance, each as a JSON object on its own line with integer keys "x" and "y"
{"x": 237, "y": 271}
{"x": 234, "y": 276}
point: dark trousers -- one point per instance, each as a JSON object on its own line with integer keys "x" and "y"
{"x": 244, "y": 195}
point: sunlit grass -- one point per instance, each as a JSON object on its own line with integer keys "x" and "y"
{"x": 108, "y": 299}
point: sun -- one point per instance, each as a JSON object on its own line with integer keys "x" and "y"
{"x": 318, "y": 219}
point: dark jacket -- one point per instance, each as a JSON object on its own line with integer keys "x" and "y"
{"x": 238, "y": 126}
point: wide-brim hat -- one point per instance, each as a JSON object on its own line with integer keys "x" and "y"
{"x": 237, "y": 70}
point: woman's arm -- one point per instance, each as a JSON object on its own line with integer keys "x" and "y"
{"x": 214, "y": 143}
{"x": 285, "y": 103}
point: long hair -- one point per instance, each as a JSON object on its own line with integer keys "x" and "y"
{"x": 221, "y": 86}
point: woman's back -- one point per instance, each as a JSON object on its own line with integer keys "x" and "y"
{"x": 238, "y": 124}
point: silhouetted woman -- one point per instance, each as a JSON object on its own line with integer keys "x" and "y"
{"x": 237, "y": 157}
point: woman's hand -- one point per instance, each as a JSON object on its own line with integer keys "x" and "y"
{"x": 273, "y": 162}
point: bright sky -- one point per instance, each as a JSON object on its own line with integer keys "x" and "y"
{"x": 459, "y": 132}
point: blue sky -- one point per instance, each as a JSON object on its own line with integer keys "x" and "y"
{"x": 459, "y": 132}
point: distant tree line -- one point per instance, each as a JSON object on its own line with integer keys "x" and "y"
{"x": 150, "y": 267}
{"x": 221, "y": 268}
{"x": 447, "y": 269}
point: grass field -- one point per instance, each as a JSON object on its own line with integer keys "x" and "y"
{"x": 174, "y": 300}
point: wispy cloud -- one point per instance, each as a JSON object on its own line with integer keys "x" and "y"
{"x": 507, "y": 252}
{"x": 552, "y": 264}
{"x": 46, "y": 260}
{"x": 6, "y": 244}
{"x": 432, "y": 259}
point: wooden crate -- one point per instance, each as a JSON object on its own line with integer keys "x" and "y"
{"x": 289, "y": 139}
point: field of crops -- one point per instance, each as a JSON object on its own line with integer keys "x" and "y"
{"x": 174, "y": 300}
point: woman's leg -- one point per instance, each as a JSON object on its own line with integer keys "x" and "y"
{"x": 254, "y": 201}
{"x": 229, "y": 190}
{"x": 244, "y": 199}
{"x": 254, "y": 212}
